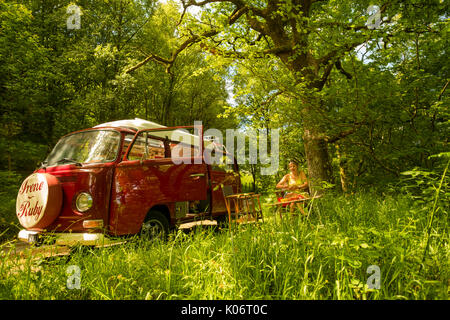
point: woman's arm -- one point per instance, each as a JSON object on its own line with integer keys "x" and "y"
{"x": 283, "y": 183}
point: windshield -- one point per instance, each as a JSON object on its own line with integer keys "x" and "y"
{"x": 85, "y": 147}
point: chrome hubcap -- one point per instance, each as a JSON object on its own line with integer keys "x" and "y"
{"x": 153, "y": 228}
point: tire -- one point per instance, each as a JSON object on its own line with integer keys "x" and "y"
{"x": 155, "y": 226}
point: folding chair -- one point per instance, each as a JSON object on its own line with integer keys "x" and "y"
{"x": 247, "y": 206}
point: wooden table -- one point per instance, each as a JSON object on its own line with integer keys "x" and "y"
{"x": 280, "y": 204}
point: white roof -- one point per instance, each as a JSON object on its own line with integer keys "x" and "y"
{"x": 136, "y": 124}
{"x": 140, "y": 124}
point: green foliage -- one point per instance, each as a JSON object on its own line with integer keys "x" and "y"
{"x": 22, "y": 156}
{"x": 422, "y": 185}
{"x": 9, "y": 225}
{"x": 430, "y": 188}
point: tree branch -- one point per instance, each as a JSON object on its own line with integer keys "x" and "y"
{"x": 320, "y": 83}
{"x": 271, "y": 97}
{"x": 151, "y": 57}
{"x": 237, "y": 13}
{"x": 335, "y": 53}
{"x": 443, "y": 90}
{"x": 341, "y": 69}
{"x": 341, "y": 135}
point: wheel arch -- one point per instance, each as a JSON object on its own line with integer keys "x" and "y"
{"x": 164, "y": 209}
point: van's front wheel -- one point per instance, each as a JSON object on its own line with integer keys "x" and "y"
{"x": 155, "y": 226}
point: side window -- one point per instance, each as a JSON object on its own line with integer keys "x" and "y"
{"x": 146, "y": 148}
{"x": 165, "y": 143}
{"x": 155, "y": 149}
{"x": 181, "y": 150}
{"x": 126, "y": 143}
{"x": 225, "y": 163}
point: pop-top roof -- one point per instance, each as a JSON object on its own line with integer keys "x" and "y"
{"x": 134, "y": 124}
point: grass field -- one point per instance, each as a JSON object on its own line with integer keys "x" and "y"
{"x": 325, "y": 256}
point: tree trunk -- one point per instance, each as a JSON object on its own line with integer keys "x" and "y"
{"x": 318, "y": 160}
{"x": 316, "y": 147}
{"x": 342, "y": 170}
{"x": 253, "y": 173}
{"x": 166, "y": 116}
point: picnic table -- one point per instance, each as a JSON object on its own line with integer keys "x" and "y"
{"x": 279, "y": 204}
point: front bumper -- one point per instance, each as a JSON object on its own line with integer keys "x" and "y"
{"x": 67, "y": 239}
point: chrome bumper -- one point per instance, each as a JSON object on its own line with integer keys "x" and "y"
{"x": 68, "y": 239}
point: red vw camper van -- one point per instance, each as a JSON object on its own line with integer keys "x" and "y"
{"x": 122, "y": 178}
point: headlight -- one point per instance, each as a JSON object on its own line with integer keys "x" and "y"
{"x": 83, "y": 202}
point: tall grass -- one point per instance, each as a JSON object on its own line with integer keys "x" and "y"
{"x": 324, "y": 256}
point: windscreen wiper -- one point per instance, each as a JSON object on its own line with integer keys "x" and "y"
{"x": 68, "y": 160}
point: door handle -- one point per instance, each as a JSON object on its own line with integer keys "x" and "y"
{"x": 197, "y": 175}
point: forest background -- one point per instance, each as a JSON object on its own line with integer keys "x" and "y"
{"x": 358, "y": 90}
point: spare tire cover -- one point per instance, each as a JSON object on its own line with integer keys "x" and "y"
{"x": 39, "y": 200}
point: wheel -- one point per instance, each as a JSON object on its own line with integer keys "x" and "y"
{"x": 155, "y": 226}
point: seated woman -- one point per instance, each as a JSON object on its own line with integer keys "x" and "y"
{"x": 296, "y": 185}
